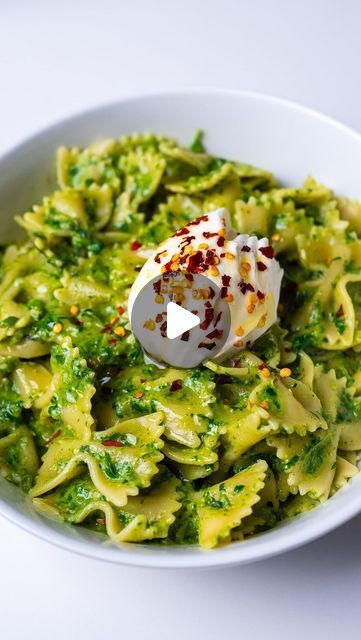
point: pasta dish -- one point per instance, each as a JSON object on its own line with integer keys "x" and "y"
{"x": 97, "y": 434}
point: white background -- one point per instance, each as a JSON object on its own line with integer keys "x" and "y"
{"x": 60, "y": 57}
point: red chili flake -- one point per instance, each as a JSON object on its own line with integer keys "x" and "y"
{"x": 163, "y": 329}
{"x": 194, "y": 262}
{"x": 224, "y": 292}
{"x": 168, "y": 266}
{"x": 262, "y": 366}
{"x": 267, "y": 251}
{"x": 246, "y": 249}
{"x": 189, "y": 277}
{"x": 260, "y": 295}
{"x": 210, "y": 256}
{"x": 136, "y": 245}
{"x": 261, "y": 266}
{"x": 226, "y": 280}
{"x": 158, "y": 255}
{"x": 340, "y": 312}
{"x": 157, "y": 286}
{"x": 198, "y": 221}
{"x": 216, "y": 333}
{"x": 159, "y": 317}
{"x": 176, "y": 385}
{"x": 187, "y": 241}
{"x": 111, "y": 443}
{"x": 217, "y": 319}
{"x": 207, "y": 304}
{"x": 53, "y": 437}
{"x": 181, "y": 232}
{"x": 212, "y": 293}
{"x": 222, "y": 255}
{"x": 208, "y": 317}
{"x": 112, "y": 341}
{"x": 209, "y": 234}
{"x": 207, "y": 345}
{"x": 185, "y": 336}
{"x": 120, "y": 310}
{"x": 107, "y": 329}
{"x": 220, "y": 242}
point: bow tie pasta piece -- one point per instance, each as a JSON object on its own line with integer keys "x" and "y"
{"x": 344, "y": 472}
{"x": 95, "y": 164}
{"x": 18, "y": 457}
{"x": 198, "y": 184}
{"x": 264, "y": 514}
{"x": 142, "y": 172}
{"x": 242, "y": 430}
{"x": 309, "y": 461}
{"x": 33, "y": 381}
{"x": 70, "y": 392}
{"x": 117, "y": 470}
{"x": 184, "y": 396}
{"x": 329, "y": 390}
{"x": 264, "y": 406}
{"x": 143, "y": 518}
{"x": 223, "y": 506}
{"x": 327, "y": 314}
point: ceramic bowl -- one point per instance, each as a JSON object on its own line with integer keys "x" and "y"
{"x": 289, "y": 140}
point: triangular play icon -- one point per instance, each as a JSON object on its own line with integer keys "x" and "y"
{"x": 179, "y": 320}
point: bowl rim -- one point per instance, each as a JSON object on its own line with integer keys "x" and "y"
{"x": 236, "y": 553}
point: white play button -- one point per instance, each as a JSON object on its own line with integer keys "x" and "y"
{"x": 179, "y": 320}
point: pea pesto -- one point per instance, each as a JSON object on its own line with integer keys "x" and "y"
{"x": 208, "y": 455}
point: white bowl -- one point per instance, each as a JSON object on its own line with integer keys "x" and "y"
{"x": 289, "y": 140}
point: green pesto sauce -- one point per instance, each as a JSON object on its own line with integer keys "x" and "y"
{"x": 84, "y": 251}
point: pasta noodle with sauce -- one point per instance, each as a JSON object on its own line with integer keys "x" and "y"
{"x": 210, "y": 455}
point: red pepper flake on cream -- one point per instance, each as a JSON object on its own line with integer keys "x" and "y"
{"x": 181, "y": 232}
{"x": 226, "y": 281}
{"x": 207, "y": 345}
{"x": 261, "y": 266}
{"x": 216, "y": 333}
{"x": 197, "y": 221}
{"x": 267, "y": 251}
{"x": 209, "y": 234}
{"x": 208, "y": 317}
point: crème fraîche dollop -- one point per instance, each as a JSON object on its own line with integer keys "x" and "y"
{"x": 245, "y": 274}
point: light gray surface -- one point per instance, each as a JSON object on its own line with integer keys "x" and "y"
{"x": 57, "y": 58}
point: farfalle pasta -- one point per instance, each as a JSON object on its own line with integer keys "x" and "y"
{"x": 99, "y": 437}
